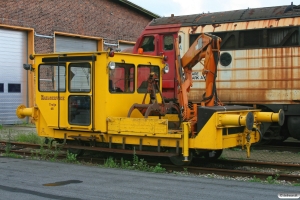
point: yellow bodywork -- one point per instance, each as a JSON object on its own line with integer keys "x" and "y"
{"x": 108, "y": 111}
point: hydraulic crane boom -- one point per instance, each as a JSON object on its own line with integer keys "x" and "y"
{"x": 205, "y": 46}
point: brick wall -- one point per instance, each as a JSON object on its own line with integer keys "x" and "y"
{"x": 97, "y": 18}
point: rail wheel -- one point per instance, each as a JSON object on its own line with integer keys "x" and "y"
{"x": 213, "y": 155}
{"x": 178, "y": 160}
{"x": 78, "y": 143}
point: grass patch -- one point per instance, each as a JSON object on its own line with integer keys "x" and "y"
{"x": 135, "y": 164}
{"x": 254, "y": 179}
{"x": 29, "y": 138}
{"x": 12, "y": 155}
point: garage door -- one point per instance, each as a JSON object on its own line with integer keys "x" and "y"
{"x": 123, "y": 46}
{"x": 13, "y": 78}
{"x": 72, "y": 44}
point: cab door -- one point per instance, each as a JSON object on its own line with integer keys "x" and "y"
{"x": 166, "y": 48}
{"x": 80, "y": 95}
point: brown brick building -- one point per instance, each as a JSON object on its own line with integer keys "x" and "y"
{"x": 45, "y": 26}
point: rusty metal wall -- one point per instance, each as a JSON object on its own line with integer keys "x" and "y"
{"x": 255, "y": 76}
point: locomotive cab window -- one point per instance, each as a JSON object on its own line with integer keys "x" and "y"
{"x": 79, "y": 112}
{"x": 80, "y": 77}
{"x": 168, "y": 42}
{"x": 143, "y": 73}
{"x": 52, "y": 77}
{"x": 148, "y": 44}
{"x": 121, "y": 79}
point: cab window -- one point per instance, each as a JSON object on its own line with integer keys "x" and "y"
{"x": 52, "y": 77}
{"x": 121, "y": 79}
{"x": 79, "y": 110}
{"x": 168, "y": 42}
{"x": 148, "y": 44}
{"x": 143, "y": 73}
{"x": 79, "y": 77}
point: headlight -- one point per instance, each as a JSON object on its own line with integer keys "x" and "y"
{"x": 166, "y": 69}
{"x": 111, "y": 65}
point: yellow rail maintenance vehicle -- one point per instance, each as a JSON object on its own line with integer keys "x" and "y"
{"x": 112, "y": 101}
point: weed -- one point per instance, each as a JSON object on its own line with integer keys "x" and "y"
{"x": 272, "y": 180}
{"x": 56, "y": 152}
{"x": 234, "y": 149}
{"x": 135, "y": 159}
{"x": 7, "y": 148}
{"x": 136, "y": 164}
{"x": 125, "y": 164}
{"x": 296, "y": 184}
{"x": 71, "y": 157}
{"x": 111, "y": 163}
{"x": 176, "y": 172}
{"x": 8, "y": 144}
{"x": 254, "y": 179}
{"x": 159, "y": 169}
{"x": 44, "y": 153}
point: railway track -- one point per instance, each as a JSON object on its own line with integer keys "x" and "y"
{"x": 280, "y": 148}
{"x": 291, "y": 146}
{"x": 228, "y": 168}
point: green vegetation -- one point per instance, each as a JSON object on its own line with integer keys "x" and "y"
{"x": 272, "y": 180}
{"x": 269, "y": 179}
{"x": 222, "y": 158}
{"x": 136, "y": 164}
{"x": 25, "y": 123}
{"x": 12, "y": 155}
{"x": 32, "y": 138}
{"x": 254, "y": 179}
{"x": 71, "y": 157}
{"x": 8, "y": 152}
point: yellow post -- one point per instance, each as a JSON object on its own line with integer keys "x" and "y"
{"x": 186, "y": 130}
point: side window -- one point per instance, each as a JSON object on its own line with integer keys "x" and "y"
{"x": 143, "y": 73}
{"x": 80, "y": 77}
{"x": 52, "y": 77}
{"x": 79, "y": 110}
{"x": 148, "y": 44}
{"x": 121, "y": 79}
{"x": 168, "y": 42}
{"x": 1, "y": 87}
{"x": 14, "y": 87}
